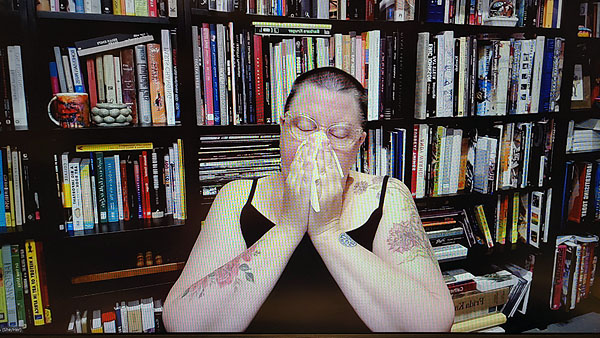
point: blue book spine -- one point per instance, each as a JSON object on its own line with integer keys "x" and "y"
{"x": 435, "y": 11}
{"x": 520, "y": 12}
{"x": 2, "y": 211}
{"x": 597, "y": 193}
{"x": 400, "y": 154}
{"x": 392, "y": 153}
{"x": 118, "y": 322}
{"x": 215, "y": 73}
{"x": 79, "y": 7}
{"x": 250, "y": 79}
{"x": 546, "y": 84}
{"x": 111, "y": 190}
{"x": 555, "y": 18}
{"x": 484, "y": 82}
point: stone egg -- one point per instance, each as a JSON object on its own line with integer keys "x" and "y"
{"x": 125, "y": 111}
{"x": 109, "y": 119}
{"x": 114, "y": 112}
{"x": 102, "y": 112}
{"x": 129, "y": 118}
{"x": 121, "y": 119}
{"x": 97, "y": 119}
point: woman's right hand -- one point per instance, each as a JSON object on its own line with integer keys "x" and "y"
{"x": 296, "y": 189}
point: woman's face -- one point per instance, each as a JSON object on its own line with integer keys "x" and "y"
{"x": 326, "y": 108}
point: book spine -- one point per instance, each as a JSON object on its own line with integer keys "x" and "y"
{"x": 34, "y": 283}
{"x": 207, "y": 71}
{"x": 483, "y": 225}
{"x": 3, "y": 201}
{"x": 124, "y": 189}
{"x": 9, "y": 286}
{"x": 143, "y": 86}
{"x": 86, "y": 195}
{"x": 180, "y": 164}
{"x": 101, "y": 188}
{"x": 18, "y": 283}
{"x": 19, "y": 106}
{"x": 155, "y": 79}
{"x": 118, "y": 82}
{"x": 100, "y": 79}
{"x": 259, "y": 80}
{"x": 176, "y": 100}
{"x": 91, "y": 73}
{"x": 16, "y": 181}
{"x": 119, "y": 186}
{"x": 7, "y": 118}
{"x": 75, "y": 70}
{"x": 146, "y": 184}
{"x": 108, "y": 63}
{"x": 138, "y": 188}
{"x": 214, "y": 71}
{"x": 42, "y": 282}
{"x": 152, "y": 10}
{"x": 198, "y": 76}
{"x": 76, "y": 199}
{"x": 167, "y": 68}
{"x": 111, "y": 189}
{"x": 93, "y": 179}
{"x": 141, "y": 8}
{"x": 128, "y": 82}
{"x": 222, "y": 74}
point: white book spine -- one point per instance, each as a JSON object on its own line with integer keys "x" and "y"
{"x": 527, "y": 53}
{"x": 86, "y": 194}
{"x": 338, "y": 50}
{"x": 447, "y": 93}
{"x": 53, "y": 7}
{"x": 439, "y": 100}
{"x": 87, "y": 5}
{"x": 97, "y": 7}
{"x": 359, "y": 64}
{"x": 118, "y": 83}
{"x": 503, "y": 78}
{"x": 124, "y": 322}
{"x": 76, "y": 200}
{"x": 117, "y": 160}
{"x": 109, "y": 78}
{"x": 536, "y": 79}
{"x": 448, "y": 143}
{"x": 322, "y": 9}
{"x": 71, "y": 6}
{"x": 373, "y": 85}
{"x": 463, "y": 67}
{"x": 175, "y": 175}
{"x": 421, "y": 81}
{"x": 547, "y": 215}
{"x": 442, "y": 163}
{"x": 94, "y": 197}
{"x": 526, "y": 154}
{"x": 173, "y": 8}
{"x": 68, "y": 76}
{"x": 100, "y": 79}
{"x": 141, "y": 66}
{"x": 130, "y": 7}
{"x": 197, "y": 77}
{"x": 168, "y": 75}
{"x": 168, "y": 184}
{"x": 399, "y": 10}
{"x": 15, "y": 68}
{"x": 456, "y": 152}
{"x": 17, "y": 187}
{"x": 231, "y": 47}
{"x": 535, "y": 214}
{"x": 147, "y": 309}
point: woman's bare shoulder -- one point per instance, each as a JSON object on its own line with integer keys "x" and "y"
{"x": 363, "y": 184}
{"x": 234, "y": 192}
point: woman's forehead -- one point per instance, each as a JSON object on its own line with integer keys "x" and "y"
{"x": 318, "y": 102}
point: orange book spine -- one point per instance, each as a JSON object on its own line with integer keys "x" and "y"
{"x": 157, "y": 90}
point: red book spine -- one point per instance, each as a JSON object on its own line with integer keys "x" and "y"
{"x": 369, "y": 10}
{"x": 142, "y": 191}
{"x": 54, "y": 79}
{"x": 91, "y": 70}
{"x": 575, "y": 211}
{"x": 415, "y": 157}
{"x": 124, "y": 190}
{"x": 558, "y": 276}
{"x": 146, "y": 185}
{"x": 152, "y": 8}
{"x": 460, "y": 287}
{"x": 259, "y": 80}
{"x": 590, "y": 270}
{"x": 138, "y": 188}
{"x": 206, "y": 61}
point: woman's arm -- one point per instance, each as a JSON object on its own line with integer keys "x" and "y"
{"x": 399, "y": 286}
{"x": 224, "y": 283}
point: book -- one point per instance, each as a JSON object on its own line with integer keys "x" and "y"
{"x": 34, "y": 283}
{"x": 19, "y": 105}
{"x": 134, "y": 317}
{"x": 479, "y": 323}
{"x": 76, "y": 197}
{"x": 143, "y": 86}
{"x": 169, "y": 84}
{"x": 111, "y": 42}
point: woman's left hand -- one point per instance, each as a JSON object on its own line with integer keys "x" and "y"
{"x": 330, "y": 189}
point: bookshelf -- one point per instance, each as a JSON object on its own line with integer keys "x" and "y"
{"x": 87, "y": 254}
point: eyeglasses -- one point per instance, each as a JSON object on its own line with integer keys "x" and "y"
{"x": 341, "y": 135}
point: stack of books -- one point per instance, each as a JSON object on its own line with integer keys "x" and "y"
{"x": 137, "y": 316}
{"x": 383, "y": 153}
{"x": 120, "y": 68}
{"x": 224, "y": 158}
{"x": 575, "y": 261}
{"x": 449, "y": 160}
{"x": 522, "y": 13}
{"x": 152, "y": 8}
{"x": 13, "y": 114}
{"x": 24, "y": 300}
{"x": 474, "y": 76}
{"x": 19, "y": 202}
{"x": 583, "y": 136}
{"x": 107, "y": 183}
{"x": 446, "y": 228}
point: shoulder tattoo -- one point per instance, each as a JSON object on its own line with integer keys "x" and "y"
{"x": 408, "y": 239}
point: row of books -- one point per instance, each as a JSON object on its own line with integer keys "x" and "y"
{"x": 483, "y": 301}
{"x": 152, "y": 8}
{"x": 517, "y": 217}
{"x": 19, "y": 202}
{"x": 244, "y": 77}
{"x": 513, "y": 155}
{"x": 583, "y": 136}
{"x": 320, "y": 9}
{"x": 13, "y": 113}
{"x": 446, "y": 229}
{"x": 589, "y": 19}
{"x": 522, "y": 13}
{"x": 575, "y": 260}
{"x": 143, "y": 77}
{"x": 24, "y": 300}
{"x": 103, "y": 184}
{"x": 137, "y": 316}
{"x": 383, "y": 153}
{"x": 471, "y": 76}
{"x": 581, "y": 199}
{"x": 224, "y": 158}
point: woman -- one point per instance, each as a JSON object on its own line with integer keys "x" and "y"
{"x": 349, "y": 247}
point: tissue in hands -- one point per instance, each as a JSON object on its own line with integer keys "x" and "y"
{"x": 321, "y": 142}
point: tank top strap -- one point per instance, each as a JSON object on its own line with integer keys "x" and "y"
{"x": 252, "y": 190}
{"x": 383, "y": 189}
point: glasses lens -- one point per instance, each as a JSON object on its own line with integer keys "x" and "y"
{"x": 302, "y": 126}
{"x": 342, "y": 136}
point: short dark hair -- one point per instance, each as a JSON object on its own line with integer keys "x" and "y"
{"x": 333, "y": 79}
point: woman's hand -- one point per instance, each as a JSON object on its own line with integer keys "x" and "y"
{"x": 296, "y": 189}
{"x": 330, "y": 189}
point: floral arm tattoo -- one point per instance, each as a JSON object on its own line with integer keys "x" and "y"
{"x": 226, "y": 275}
{"x": 408, "y": 238}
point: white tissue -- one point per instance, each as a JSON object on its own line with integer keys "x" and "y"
{"x": 321, "y": 142}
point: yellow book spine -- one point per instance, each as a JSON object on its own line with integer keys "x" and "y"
{"x": 82, "y": 148}
{"x": 117, "y": 7}
{"x": 515, "y": 218}
{"x": 480, "y": 215}
{"x": 182, "y": 178}
{"x": 34, "y": 284}
{"x": 98, "y": 330}
{"x": 479, "y": 323}
{"x": 503, "y": 219}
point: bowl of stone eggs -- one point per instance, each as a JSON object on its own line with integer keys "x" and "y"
{"x": 111, "y": 115}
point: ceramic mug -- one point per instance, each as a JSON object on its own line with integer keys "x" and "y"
{"x": 72, "y": 110}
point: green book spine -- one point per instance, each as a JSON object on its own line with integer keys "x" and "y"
{"x": 9, "y": 287}
{"x": 101, "y": 187}
{"x": 18, "y": 281}
{"x": 3, "y": 314}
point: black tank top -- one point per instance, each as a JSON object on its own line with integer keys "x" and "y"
{"x": 306, "y": 298}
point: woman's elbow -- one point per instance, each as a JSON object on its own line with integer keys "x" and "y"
{"x": 444, "y": 317}
{"x": 172, "y": 322}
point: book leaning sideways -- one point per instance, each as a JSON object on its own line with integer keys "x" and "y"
{"x": 111, "y": 42}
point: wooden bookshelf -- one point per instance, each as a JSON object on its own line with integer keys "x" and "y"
{"x": 66, "y": 16}
{"x": 127, "y": 273}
